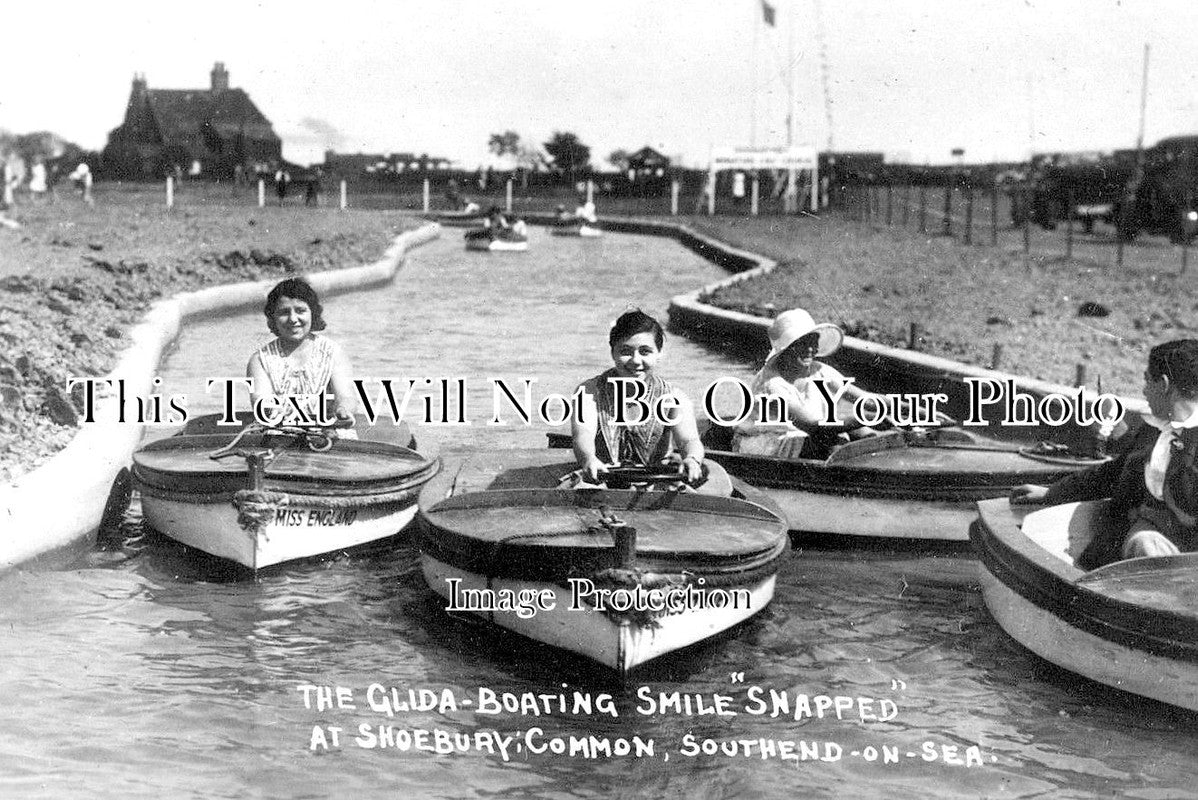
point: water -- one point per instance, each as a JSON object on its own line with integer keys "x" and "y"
{"x": 141, "y": 672}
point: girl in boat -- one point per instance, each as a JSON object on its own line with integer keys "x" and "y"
{"x": 1152, "y": 477}
{"x": 669, "y": 431}
{"x": 792, "y": 375}
{"x": 298, "y": 362}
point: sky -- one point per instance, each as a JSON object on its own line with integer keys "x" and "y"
{"x": 914, "y": 79}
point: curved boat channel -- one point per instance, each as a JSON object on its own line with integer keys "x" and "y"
{"x": 142, "y": 671}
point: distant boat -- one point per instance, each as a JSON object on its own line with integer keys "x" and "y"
{"x": 263, "y": 496}
{"x": 504, "y": 239}
{"x": 497, "y": 525}
{"x": 576, "y": 227}
{"x": 1132, "y": 625}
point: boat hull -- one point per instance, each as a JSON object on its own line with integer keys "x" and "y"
{"x": 575, "y": 229}
{"x": 874, "y": 517}
{"x": 297, "y": 530}
{"x": 893, "y": 486}
{"x": 1086, "y": 622}
{"x": 620, "y": 645}
{"x": 497, "y": 245}
{"x": 485, "y": 240}
{"x": 260, "y": 498}
{"x": 497, "y": 525}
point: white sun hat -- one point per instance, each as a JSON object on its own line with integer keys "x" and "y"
{"x": 790, "y": 326}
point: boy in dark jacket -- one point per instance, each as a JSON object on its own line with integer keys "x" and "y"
{"x": 1152, "y": 479}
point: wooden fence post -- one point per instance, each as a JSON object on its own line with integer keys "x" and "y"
{"x": 1069, "y": 223}
{"x": 923, "y": 208}
{"x": 994, "y": 213}
{"x": 344, "y": 198}
{"x": 948, "y": 209}
{"x": 170, "y": 191}
{"x": 889, "y": 204}
{"x": 969, "y": 216}
{"x": 426, "y": 196}
{"x": 914, "y": 336}
{"x": 1027, "y": 233}
{"x": 261, "y": 193}
{"x": 674, "y": 191}
{"x": 906, "y": 205}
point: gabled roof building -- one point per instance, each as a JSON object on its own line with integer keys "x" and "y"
{"x": 215, "y": 133}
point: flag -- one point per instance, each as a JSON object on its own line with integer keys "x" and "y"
{"x": 767, "y": 13}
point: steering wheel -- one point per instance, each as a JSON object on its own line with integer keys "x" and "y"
{"x": 318, "y": 438}
{"x": 629, "y": 475}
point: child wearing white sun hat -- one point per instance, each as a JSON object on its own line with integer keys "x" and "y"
{"x": 791, "y": 374}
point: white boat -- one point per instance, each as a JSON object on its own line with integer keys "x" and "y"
{"x": 260, "y": 497}
{"x": 496, "y": 241}
{"x": 577, "y": 227}
{"x": 494, "y": 528}
{"x": 1132, "y": 624}
{"x": 902, "y": 485}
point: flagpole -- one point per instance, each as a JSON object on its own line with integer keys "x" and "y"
{"x": 757, "y": 11}
{"x": 790, "y": 75}
{"x": 823, "y": 68}
{"x": 1143, "y": 101}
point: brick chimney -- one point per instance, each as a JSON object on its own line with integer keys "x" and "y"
{"x": 220, "y": 77}
{"x": 139, "y": 83}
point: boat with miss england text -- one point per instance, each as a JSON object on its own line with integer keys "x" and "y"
{"x": 620, "y": 574}
{"x": 1132, "y": 624}
{"x": 261, "y": 495}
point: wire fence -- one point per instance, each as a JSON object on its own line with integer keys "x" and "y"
{"x": 997, "y": 217}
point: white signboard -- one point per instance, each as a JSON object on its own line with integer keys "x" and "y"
{"x": 798, "y": 158}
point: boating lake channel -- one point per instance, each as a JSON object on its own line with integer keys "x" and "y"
{"x": 139, "y": 671}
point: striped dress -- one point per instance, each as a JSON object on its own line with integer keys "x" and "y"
{"x": 308, "y": 383}
{"x": 644, "y": 444}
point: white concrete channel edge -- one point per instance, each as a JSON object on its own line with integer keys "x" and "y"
{"x": 60, "y": 505}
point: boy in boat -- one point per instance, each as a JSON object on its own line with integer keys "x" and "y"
{"x": 1152, "y": 479}
{"x": 586, "y": 213}
{"x": 789, "y": 378}
{"x": 496, "y": 220}
{"x": 601, "y": 441}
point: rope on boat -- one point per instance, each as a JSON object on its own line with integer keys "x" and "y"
{"x": 255, "y": 509}
{"x": 317, "y": 439}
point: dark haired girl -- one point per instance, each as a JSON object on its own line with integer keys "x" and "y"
{"x": 297, "y": 362}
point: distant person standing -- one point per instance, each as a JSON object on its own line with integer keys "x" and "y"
{"x": 586, "y": 212}
{"x": 37, "y": 180}
{"x": 5, "y": 185}
{"x": 281, "y": 181}
{"x": 312, "y": 190}
{"x": 82, "y": 178}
